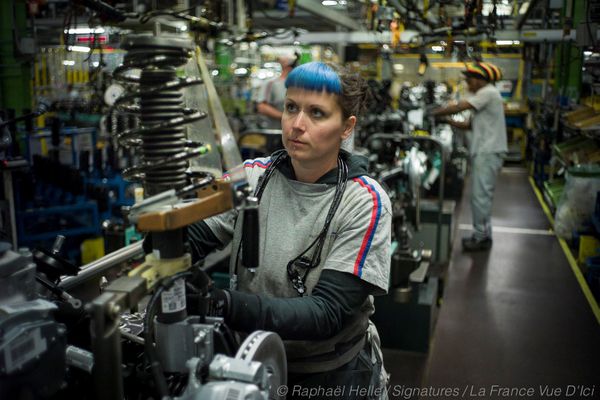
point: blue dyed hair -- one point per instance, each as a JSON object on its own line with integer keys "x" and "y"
{"x": 352, "y": 91}
{"x": 315, "y": 76}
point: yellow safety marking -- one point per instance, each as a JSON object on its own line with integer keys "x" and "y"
{"x": 44, "y": 72}
{"x": 519, "y": 89}
{"x": 36, "y": 75}
{"x": 507, "y": 55}
{"x": 538, "y": 194}
{"x": 572, "y": 263}
{"x": 449, "y": 64}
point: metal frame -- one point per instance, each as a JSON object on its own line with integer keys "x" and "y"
{"x": 540, "y": 35}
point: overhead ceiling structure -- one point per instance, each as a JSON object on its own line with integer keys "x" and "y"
{"x": 521, "y": 20}
{"x": 346, "y": 20}
{"x": 314, "y": 16}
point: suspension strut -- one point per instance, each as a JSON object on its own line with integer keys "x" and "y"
{"x": 157, "y": 101}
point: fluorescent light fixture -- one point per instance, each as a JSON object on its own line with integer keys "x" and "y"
{"x": 264, "y": 73}
{"x": 437, "y": 48}
{"x": 329, "y": 2}
{"x": 69, "y": 62}
{"x": 501, "y": 9}
{"x": 80, "y": 49}
{"x": 523, "y": 8}
{"x": 240, "y": 71}
{"x": 459, "y": 41}
{"x": 399, "y": 67}
{"x": 84, "y": 31}
{"x": 507, "y": 42}
{"x": 587, "y": 53}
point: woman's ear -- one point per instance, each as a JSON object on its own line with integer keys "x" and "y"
{"x": 349, "y": 125}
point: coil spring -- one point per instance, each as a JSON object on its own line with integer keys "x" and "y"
{"x": 157, "y": 100}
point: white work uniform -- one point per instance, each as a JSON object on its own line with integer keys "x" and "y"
{"x": 273, "y": 93}
{"x": 487, "y": 148}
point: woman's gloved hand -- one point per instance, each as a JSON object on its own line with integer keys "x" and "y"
{"x": 215, "y": 302}
{"x": 220, "y": 303}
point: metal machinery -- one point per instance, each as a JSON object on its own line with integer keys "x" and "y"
{"x": 80, "y": 337}
{"x": 414, "y": 158}
{"x": 410, "y": 118}
{"x": 403, "y": 164}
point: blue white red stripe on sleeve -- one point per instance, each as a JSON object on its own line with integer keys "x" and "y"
{"x": 368, "y": 238}
{"x": 251, "y": 164}
{"x": 257, "y": 163}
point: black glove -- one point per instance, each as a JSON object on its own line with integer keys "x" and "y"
{"x": 214, "y": 303}
{"x": 220, "y": 303}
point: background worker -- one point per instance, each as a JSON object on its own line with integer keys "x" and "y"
{"x": 487, "y": 145}
{"x": 271, "y": 95}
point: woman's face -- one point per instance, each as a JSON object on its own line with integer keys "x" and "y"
{"x": 313, "y": 126}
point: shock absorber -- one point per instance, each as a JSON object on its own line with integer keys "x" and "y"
{"x": 158, "y": 102}
{"x": 157, "y": 99}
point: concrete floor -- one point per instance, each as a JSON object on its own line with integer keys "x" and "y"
{"x": 514, "y": 322}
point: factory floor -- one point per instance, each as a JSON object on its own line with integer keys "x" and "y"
{"x": 514, "y": 322}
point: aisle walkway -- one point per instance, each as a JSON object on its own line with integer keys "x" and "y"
{"x": 515, "y": 316}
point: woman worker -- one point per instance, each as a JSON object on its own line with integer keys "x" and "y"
{"x": 324, "y": 241}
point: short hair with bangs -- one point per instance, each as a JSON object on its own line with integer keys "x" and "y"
{"x": 351, "y": 89}
{"x": 315, "y": 76}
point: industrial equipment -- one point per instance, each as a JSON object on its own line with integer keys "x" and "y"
{"x": 79, "y": 335}
{"x": 402, "y": 166}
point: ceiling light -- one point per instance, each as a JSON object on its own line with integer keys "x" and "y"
{"x": 437, "y": 48}
{"x": 329, "y": 2}
{"x": 523, "y": 8}
{"x": 83, "y": 31}
{"x": 69, "y": 62}
{"x": 80, "y": 49}
{"x": 504, "y": 42}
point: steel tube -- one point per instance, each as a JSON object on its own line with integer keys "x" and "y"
{"x": 102, "y": 265}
